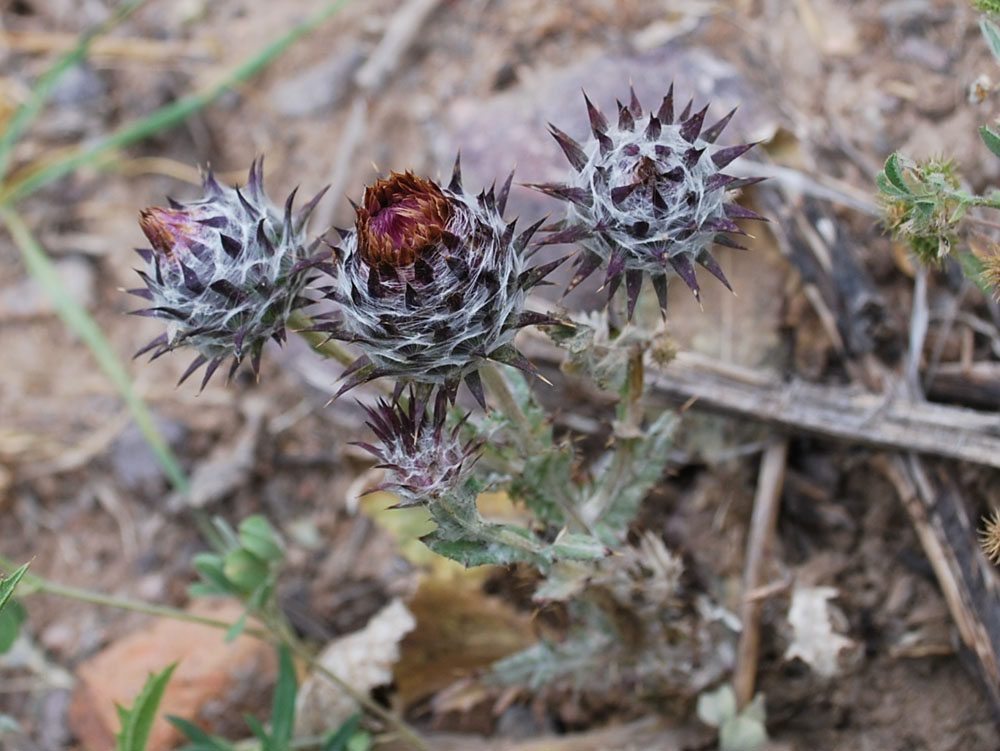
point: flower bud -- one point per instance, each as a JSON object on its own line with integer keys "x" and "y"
{"x": 225, "y": 272}
{"x": 425, "y": 459}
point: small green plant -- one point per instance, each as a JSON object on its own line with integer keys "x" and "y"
{"x": 925, "y": 204}
{"x": 739, "y": 730}
{"x": 430, "y": 286}
{"x": 987, "y": 6}
{"x": 137, "y": 721}
{"x": 275, "y": 738}
{"x": 245, "y": 567}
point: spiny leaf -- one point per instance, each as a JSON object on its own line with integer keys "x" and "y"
{"x": 576, "y": 547}
{"x": 894, "y": 174}
{"x": 650, "y": 455}
{"x": 471, "y": 553}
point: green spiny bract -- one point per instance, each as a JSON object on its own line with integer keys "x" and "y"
{"x": 430, "y": 283}
{"x": 424, "y": 458}
{"x": 648, "y": 197}
{"x": 923, "y": 204}
{"x": 225, "y": 272}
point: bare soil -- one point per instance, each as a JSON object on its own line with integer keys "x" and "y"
{"x": 830, "y": 86}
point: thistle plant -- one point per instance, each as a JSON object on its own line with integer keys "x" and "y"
{"x": 429, "y": 287}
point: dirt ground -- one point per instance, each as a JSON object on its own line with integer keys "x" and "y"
{"x": 830, "y": 87}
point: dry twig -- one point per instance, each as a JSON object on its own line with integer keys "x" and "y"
{"x": 759, "y": 542}
{"x": 842, "y": 413}
{"x": 968, "y": 581}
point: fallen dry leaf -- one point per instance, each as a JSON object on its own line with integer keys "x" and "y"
{"x": 460, "y": 631}
{"x": 363, "y": 660}
{"x": 814, "y": 641}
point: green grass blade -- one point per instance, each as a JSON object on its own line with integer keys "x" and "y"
{"x": 166, "y": 116}
{"x": 80, "y": 322}
{"x": 43, "y": 88}
{"x": 283, "y": 704}
{"x": 137, "y": 722}
{"x": 200, "y": 740}
{"x": 338, "y": 741}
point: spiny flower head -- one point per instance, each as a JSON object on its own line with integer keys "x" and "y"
{"x": 431, "y": 282}
{"x": 989, "y": 536}
{"x": 647, "y": 196}
{"x": 425, "y": 459}
{"x": 225, "y": 272}
{"x": 989, "y": 268}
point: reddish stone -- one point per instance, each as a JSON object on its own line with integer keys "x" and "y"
{"x": 213, "y": 682}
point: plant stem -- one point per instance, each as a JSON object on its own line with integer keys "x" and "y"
{"x": 40, "y": 584}
{"x": 919, "y": 321}
{"x": 630, "y": 413}
{"x": 480, "y": 530}
{"x": 285, "y": 634}
{"x": 990, "y": 202}
{"x": 524, "y": 434}
{"x": 320, "y": 343}
{"x": 527, "y": 440}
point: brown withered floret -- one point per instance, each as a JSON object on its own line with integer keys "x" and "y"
{"x": 399, "y": 219}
